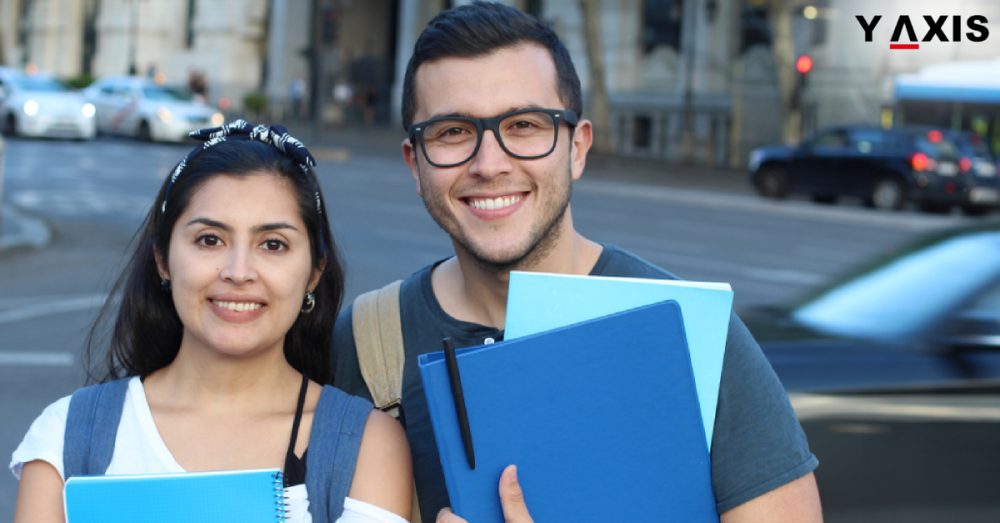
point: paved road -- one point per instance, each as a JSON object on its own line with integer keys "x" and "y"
{"x": 701, "y": 225}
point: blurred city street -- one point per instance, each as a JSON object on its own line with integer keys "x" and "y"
{"x": 703, "y": 224}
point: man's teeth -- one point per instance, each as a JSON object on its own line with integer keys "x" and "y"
{"x": 238, "y": 306}
{"x": 492, "y": 204}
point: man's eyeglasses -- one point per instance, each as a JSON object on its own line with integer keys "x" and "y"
{"x": 448, "y": 141}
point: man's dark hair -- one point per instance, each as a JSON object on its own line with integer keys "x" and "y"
{"x": 478, "y": 29}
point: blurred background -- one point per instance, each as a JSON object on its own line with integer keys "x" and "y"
{"x": 844, "y": 183}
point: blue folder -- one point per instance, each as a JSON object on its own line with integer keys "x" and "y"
{"x": 242, "y": 496}
{"x": 538, "y": 302}
{"x": 601, "y": 418}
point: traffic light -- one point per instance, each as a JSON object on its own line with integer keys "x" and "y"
{"x": 803, "y": 64}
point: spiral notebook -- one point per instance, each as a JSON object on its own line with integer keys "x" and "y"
{"x": 244, "y": 496}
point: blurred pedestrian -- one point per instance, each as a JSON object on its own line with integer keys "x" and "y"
{"x": 296, "y": 97}
{"x": 220, "y": 326}
{"x": 198, "y": 85}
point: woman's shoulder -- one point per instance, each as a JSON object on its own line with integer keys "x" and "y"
{"x": 44, "y": 439}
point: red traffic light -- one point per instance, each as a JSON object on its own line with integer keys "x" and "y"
{"x": 804, "y": 64}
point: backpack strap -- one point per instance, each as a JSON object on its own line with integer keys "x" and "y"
{"x": 337, "y": 427}
{"x": 378, "y": 337}
{"x": 91, "y": 428}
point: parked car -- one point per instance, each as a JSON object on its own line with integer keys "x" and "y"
{"x": 887, "y": 169}
{"x": 38, "y": 105}
{"x": 141, "y": 108}
{"x": 894, "y": 372}
{"x": 976, "y": 161}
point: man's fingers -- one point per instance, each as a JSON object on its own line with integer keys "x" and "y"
{"x": 512, "y": 498}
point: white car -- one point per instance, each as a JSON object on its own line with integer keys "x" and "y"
{"x": 139, "y": 107}
{"x": 39, "y": 105}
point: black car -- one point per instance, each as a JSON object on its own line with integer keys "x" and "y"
{"x": 887, "y": 169}
{"x": 975, "y": 161}
{"x": 894, "y": 372}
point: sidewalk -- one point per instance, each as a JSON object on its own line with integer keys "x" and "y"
{"x": 332, "y": 142}
{"x": 17, "y": 229}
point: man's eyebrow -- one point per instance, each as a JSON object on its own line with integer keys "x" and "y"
{"x": 257, "y": 229}
{"x": 463, "y": 114}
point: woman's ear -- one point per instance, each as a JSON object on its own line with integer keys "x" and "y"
{"x": 161, "y": 265}
{"x": 317, "y": 273}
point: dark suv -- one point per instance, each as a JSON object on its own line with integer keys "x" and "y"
{"x": 886, "y": 168}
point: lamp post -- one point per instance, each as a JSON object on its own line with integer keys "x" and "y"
{"x": 711, "y": 9}
{"x": 133, "y": 68}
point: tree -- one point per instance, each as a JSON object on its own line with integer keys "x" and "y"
{"x": 599, "y": 108}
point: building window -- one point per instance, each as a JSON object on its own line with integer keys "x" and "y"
{"x": 755, "y": 28}
{"x": 661, "y": 24}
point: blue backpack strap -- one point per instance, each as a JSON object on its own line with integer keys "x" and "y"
{"x": 91, "y": 427}
{"x": 334, "y": 441}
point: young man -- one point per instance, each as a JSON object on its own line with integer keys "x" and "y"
{"x": 491, "y": 102}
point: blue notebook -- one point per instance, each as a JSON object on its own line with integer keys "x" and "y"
{"x": 538, "y": 302}
{"x": 601, "y": 418}
{"x": 243, "y": 496}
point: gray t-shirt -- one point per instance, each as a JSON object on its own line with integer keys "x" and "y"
{"x": 758, "y": 444}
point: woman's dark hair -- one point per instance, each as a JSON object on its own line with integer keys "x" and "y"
{"x": 145, "y": 333}
{"x": 478, "y": 29}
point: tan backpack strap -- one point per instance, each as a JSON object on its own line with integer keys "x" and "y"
{"x": 378, "y": 336}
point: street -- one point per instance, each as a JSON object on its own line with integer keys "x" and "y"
{"x": 94, "y": 195}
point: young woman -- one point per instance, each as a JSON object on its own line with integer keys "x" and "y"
{"x": 220, "y": 340}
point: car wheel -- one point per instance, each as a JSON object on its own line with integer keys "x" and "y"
{"x": 772, "y": 182}
{"x": 935, "y": 208}
{"x": 824, "y": 198}
{"x": 975, "y": 210}
{"x": 144, "y": 133}
{"x": 10, "y": 125}
{"x": 888, "y": 194}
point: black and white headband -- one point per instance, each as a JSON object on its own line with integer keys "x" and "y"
{"x": 275, "y": 135}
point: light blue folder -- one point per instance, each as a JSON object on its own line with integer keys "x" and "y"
{"x": 601, "y": 419}
{"x": 242, "y": 496}
{"x": 537, "y": 302}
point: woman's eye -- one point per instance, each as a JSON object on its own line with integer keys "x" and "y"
{"x": 208, "y": 240}
{"x": 274, "y": 245}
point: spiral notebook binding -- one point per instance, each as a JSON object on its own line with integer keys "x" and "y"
{"x": 280, "y": 499}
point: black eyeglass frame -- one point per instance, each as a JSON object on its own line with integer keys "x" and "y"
{"x": 559, "y": 116}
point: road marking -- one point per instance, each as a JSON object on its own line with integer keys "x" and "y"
{"x": 36, "y": 359}
{"x": 77, "y": 303}
{"x": 856, "y": 215}
{"x": 896, "y": 408}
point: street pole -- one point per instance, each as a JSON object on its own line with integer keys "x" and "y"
{"x": 133, "y": 68}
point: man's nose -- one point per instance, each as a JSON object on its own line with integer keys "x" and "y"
{"x": 490, "y": 160}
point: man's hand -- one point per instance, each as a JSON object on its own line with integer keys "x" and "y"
{"x": 511, "y": 500}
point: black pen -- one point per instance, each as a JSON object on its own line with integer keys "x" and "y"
{"x": 456, "y": 393}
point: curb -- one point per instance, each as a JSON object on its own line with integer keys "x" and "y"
{"x": 18, "y": 229}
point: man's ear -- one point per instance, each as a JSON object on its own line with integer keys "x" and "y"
{"x": 410, "y": 157}
{"x": 161, "y": 265}
{"x": 583, "y": 138}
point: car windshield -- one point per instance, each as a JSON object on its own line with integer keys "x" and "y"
{"x": 903, "y": 297}
{"x": 162, "y": 94}
{"x": 39, "y": 84}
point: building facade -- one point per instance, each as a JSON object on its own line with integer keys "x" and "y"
{"x": 703, "y": 81}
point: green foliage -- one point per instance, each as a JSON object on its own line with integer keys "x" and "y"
{"x": 80, "y": 81}
{"x": 254, "y": 102}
